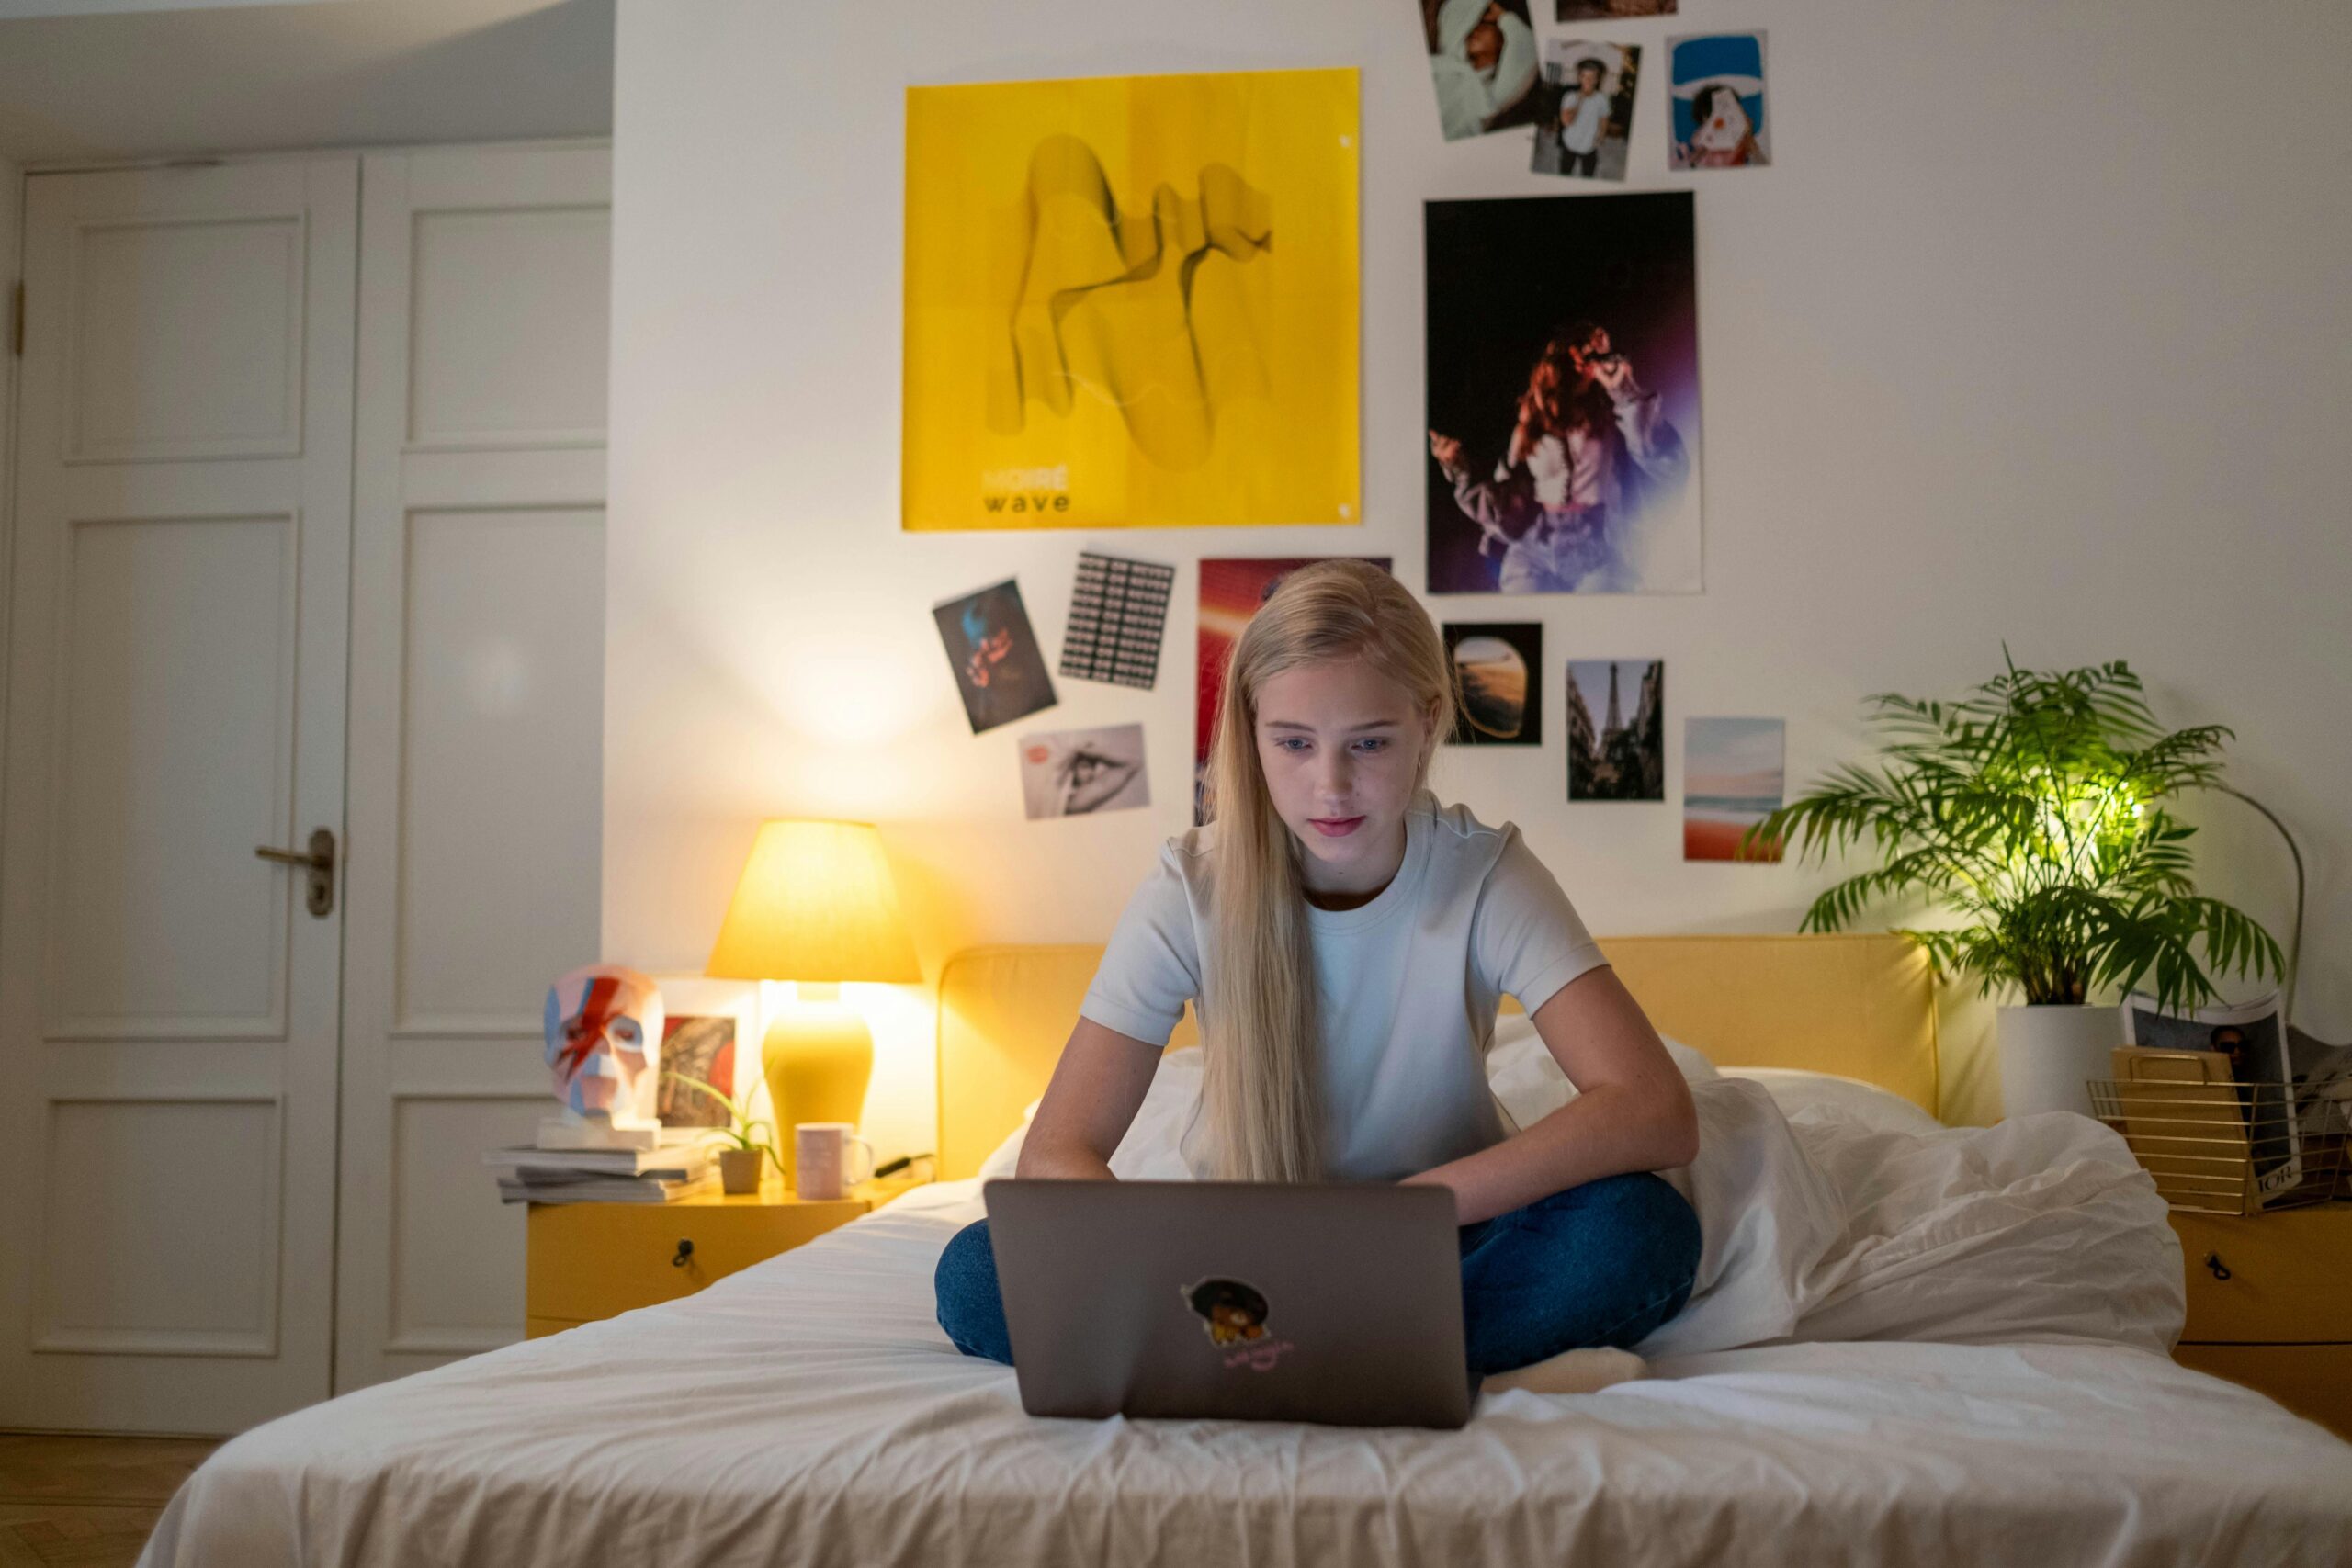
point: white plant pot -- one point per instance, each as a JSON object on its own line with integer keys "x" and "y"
{"x": 2047, "y": 1053}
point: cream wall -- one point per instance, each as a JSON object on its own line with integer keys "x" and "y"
{"x": 2037, "y": 331}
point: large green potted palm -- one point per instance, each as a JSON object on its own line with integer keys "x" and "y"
{"x": 2033, "y": 809}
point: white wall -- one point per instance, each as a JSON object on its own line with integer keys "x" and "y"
{"x": 2037, "y": 331}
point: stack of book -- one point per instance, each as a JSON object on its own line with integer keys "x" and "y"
{"x": 679, "y": 1167}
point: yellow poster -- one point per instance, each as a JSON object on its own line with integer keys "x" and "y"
{"x": 1131, "y": 302}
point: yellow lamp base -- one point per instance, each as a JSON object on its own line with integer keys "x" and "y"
{"x": 818, "y": 1059}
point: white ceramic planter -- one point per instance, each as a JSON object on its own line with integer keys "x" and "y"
{"x": 2048, "y": 1052}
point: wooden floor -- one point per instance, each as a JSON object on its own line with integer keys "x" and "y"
{"x": 87, "y": 1501}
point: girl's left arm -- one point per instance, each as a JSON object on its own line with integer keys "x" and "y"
{"x": 1632, "y": 1111}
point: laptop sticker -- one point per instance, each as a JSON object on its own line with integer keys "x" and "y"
{"x": 1234, "y": 1314}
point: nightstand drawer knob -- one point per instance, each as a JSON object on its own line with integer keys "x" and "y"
{"x": 686, "y": 1252}
{"x": 2220, "y": 1270}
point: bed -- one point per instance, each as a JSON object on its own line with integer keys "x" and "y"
{"x": 1970, "y": 1364}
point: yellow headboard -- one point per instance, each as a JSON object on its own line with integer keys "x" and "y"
{"x": 1860, "y": 1007}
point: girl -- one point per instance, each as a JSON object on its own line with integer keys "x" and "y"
{"x": 1347, "y": 940}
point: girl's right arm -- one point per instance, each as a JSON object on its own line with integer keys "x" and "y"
{"x": 1097, "y": 1088}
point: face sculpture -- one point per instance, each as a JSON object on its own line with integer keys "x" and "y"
{"x": 604, "y": 1045}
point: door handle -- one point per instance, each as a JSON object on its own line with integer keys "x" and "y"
{"x": 319, "y": 892}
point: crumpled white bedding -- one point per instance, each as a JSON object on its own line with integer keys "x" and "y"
{"x": 809, "y": 1410}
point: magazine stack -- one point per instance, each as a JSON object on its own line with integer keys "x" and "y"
{"x": 678, "y": 1167}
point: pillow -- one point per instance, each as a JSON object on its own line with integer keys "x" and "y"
{"x": 1809, "y": 1098}
{"x": 1149, "y": 1151}
{"x": 1530, "y": 1084}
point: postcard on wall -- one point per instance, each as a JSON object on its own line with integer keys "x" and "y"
{"x": 1482, "y": 64}
{"x": 999, "y": 671}
{"x": 1617, "y": 729}
{"x": 1609, "y": 10}
{"x": 1716, "y": 117}
{"x": 1498, "y": 681}
{"x": 1117, "y": 612}
{"x": 1077, "y": 772}
{"x": 1562, "y": 363}
{"x": 1731, "y": 781}
{"x": 1131, "y": 302}
{"x": 1586, "y": 130}
{"x": 1231, "y": 591}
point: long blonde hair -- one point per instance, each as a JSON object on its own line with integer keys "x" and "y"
{"x": 1259, "y": 1021}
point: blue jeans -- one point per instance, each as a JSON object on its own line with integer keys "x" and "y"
{"x": 1600, "y": 1264}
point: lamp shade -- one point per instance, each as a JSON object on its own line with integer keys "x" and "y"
{"x": 815, "y": 903}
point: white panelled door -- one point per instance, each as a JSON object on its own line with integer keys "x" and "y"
{"x": 477, "y": 719}
{"x": 168, "y": 1003}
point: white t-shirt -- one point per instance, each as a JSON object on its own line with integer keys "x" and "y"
{"x": 1408, "y": 984}
{"x": 1582, "y": 133}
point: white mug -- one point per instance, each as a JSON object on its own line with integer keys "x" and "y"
{"x": 820, "y": 1155}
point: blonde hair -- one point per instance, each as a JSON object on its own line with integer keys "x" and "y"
{"x": 1259, "y": 1024}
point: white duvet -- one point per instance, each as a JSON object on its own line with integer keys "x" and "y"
{"x": 1965, "y": 1366}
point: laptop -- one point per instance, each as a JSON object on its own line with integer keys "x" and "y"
{"x": 1332, "y": 1303}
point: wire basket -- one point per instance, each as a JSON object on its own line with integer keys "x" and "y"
{"x": 2231, "y": 1148}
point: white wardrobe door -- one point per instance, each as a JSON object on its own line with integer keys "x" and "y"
{"x": 477, "y": 719}
{"x": 168, "y": 1003}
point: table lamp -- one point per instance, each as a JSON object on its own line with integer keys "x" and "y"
{"x": 815, "y": 905}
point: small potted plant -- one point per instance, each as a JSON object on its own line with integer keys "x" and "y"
{"x": 739, "y": 1165}
{"x": 2033, "y": 809}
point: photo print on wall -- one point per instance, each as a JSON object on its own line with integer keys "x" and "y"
{"x": 1482, "y": 64}
{"x": 1609, "y": 10}
{"x": 1117, "y": 612}
{"x": 1563, "y": 395}
{"x": 1498, "y": 677}
{"x": 1731, "y": 781}
{"x": 1131, "y": 302}
{"x": 1586, "y": 130}
{"x": 1617, "y": 729}
{"x": 999, "y": 671}
{"x": 1231, "y": 590}
{"x": 1078, "y": 773}
{"x": 1716, "y": 118}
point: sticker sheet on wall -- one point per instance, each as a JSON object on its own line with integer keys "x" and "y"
{"x": 1718, "y": 103}
{"x": 1617, "y": 729}
{"x": 1117, "y": 612}
{"x": 1231, "y": 591}
{"x": 1132, "y": 302}
{"x": 1731, "y": 781}
{"x": 1563, "y": 395}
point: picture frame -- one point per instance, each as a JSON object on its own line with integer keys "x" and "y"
{"x": 693, "y": 996}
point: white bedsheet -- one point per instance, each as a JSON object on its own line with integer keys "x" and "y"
{"x": 809, "y": 1410}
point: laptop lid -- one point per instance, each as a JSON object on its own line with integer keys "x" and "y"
{"x": 1335, "y": 1303}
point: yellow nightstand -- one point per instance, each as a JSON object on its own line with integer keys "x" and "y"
{"x": 2281, "y": 1319}
{"x": 593, "y": 1261}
